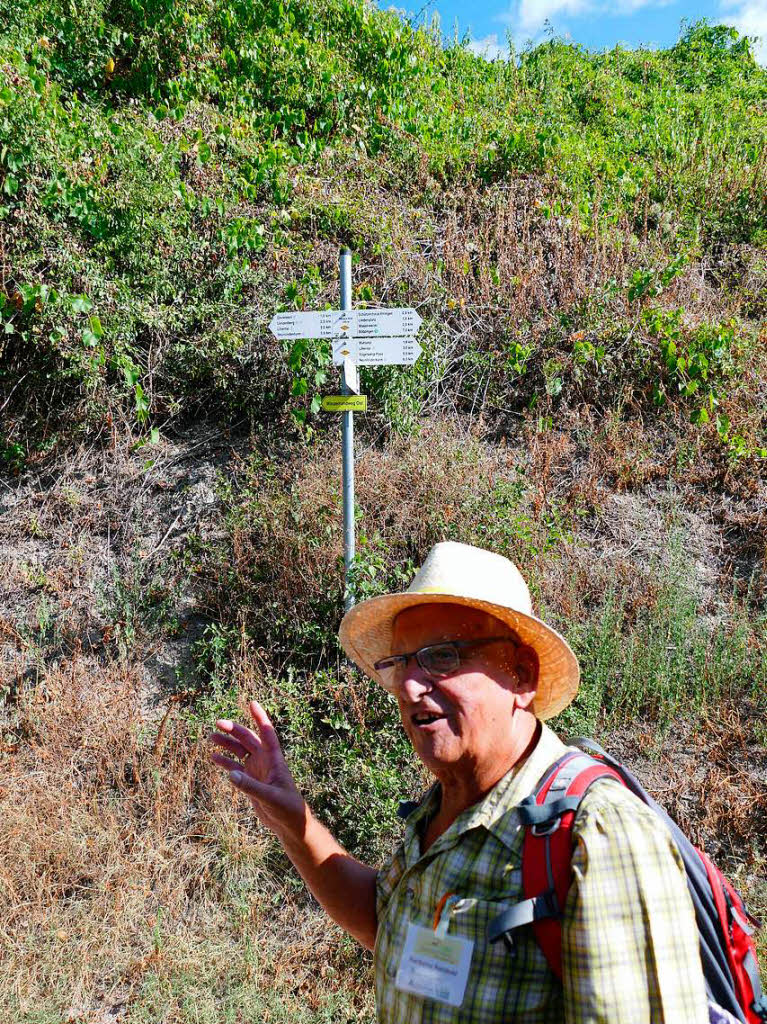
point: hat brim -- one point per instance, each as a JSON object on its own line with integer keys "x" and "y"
{"x": 366, "y": 636}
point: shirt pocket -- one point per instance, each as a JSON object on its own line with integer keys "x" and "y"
{"x": 502, "y": 984}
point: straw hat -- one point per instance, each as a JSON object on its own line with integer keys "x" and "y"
{"x": 461, "y": 574}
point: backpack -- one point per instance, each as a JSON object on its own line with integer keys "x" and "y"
{"x": 725, "y": 928}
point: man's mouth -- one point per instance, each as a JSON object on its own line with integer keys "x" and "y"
{"x": 423, "y": 718}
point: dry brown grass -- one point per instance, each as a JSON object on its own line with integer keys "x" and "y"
{"x": 132, "y": 880}
{"x": 287, "y": 538}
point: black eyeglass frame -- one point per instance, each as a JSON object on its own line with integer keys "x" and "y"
{"x": 458, "y": 645}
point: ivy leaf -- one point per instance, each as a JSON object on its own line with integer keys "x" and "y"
{"x": 81, "y": 304}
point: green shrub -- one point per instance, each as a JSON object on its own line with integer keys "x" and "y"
{"x": 664, "y": 660}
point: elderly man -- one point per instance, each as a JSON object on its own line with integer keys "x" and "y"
{"x": 475, "y": 673}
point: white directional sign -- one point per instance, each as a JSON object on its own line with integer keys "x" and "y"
{"x": 386, "y": 323}
{"x": 376, "y": 351}
{"x": 329, "y": 323}
{"x": 356, "y": 323}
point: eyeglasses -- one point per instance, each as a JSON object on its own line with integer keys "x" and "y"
{"x": 437, "y": 660}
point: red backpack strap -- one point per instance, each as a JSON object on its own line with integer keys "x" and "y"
{"x": 548, "y": 815}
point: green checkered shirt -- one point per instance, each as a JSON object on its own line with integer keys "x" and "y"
{"x": 629, "y": 940}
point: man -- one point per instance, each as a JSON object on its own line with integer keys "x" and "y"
{"x": 475, "y": 673}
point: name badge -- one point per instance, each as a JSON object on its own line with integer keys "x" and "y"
{"x": 434, "y": 965}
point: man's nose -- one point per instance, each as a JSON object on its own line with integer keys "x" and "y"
{"x": 414, "y": 683}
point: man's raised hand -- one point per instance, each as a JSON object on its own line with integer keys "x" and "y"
{"x": 261, "y": 772}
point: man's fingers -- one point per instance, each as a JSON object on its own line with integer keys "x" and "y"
{"x": 228, "y": 743}
{"x": 252, "y": 787}
{"x": 246, "y": 783}
{"x": 265, "y": 728}
{"x": 246, "y": 737}
{"x": 226, "y": 762}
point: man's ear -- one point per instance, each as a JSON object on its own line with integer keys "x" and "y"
{"x": 526, "y": 669}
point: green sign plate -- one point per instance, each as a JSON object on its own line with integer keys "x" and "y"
{"x": 345, "y": 403}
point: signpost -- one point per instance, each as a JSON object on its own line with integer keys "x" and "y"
{"x": 360, "y": 337}
{"x": 347, "y": 431}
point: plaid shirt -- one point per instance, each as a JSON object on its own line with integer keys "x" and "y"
{"x": 629, "y": 940}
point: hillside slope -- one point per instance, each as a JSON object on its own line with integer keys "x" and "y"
{"x": 585, "y": 237}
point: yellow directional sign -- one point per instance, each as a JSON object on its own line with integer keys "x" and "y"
{"x": 345, "y": 403}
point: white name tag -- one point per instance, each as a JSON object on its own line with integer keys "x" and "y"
{"x": 435, "y": 966}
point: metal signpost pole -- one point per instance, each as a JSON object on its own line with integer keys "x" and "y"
{"x": 347, "y": 442}
{"x": 360, "y": 337}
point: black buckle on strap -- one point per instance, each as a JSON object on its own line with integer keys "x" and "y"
{"x": 534, "y": 909}
{"x": 543, "y": 819}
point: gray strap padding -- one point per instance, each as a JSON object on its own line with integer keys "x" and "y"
{"x": 572, "y": 767}
{"x": 751, "y": 968}
{"x": 535, "y": 814}
{"x": 523, "y": 913}
{"x": 744, "y": 925}
{"x": 588, "y": 745}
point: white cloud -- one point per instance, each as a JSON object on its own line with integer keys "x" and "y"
{"x": 489, "y": 48}
{"x": 531, "y": 15}
{"x": 528, "y": 20}
{"x": 749, "y": 17}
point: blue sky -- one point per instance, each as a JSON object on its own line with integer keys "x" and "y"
{"x": 596, "y": 24}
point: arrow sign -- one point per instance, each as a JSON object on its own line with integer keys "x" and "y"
{"x": 356, "y": 323}
{"x": 378, "y": 323}
{"x": 377, "y": 351}
{"x": 327, "y": 323}
{"x": 345, "y": 403}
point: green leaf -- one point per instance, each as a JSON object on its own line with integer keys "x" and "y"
{"x": 142, "y": 405}
{"x": 723, "y": 426}
{"x": 131, "y": 374}
{"x": 81, "y": 304}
